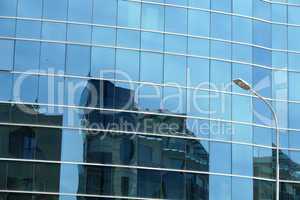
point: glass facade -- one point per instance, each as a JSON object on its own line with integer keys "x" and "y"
{"x": 131, "y": 99}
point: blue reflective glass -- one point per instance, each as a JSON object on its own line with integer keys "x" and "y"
{"x": 219, "y": 187}
{"x": 198, "y": 73}
{"x": 293, "y": 42}
{"x": 244, "y": 72}
{"x": 78, "y": 60}
{"x": 220, "y": 105}
{"x": 293, "y": 14}
{"x": 175, "y": 20}
{"x": 197, "y": 46}
{"x": 7, "y": 27}
{"x": 242, "y": 7}
{"x": 279, "y": 36}
{"x": 241, "y": 187}
{"x": 104, "y": 36}
{"x": 50, "y": 90}
{"x": 152, "y": 41}
{"x": 128, "y": 38}
{"x": 242, "y": 160}
{"x": 220, "y": 26}
{"x": 197, "y": 103}
{"x": 262, "y": 9}
{"x": 267, "y": 168}
{"x": 129, "y": 14}
{"x": 175, "y": 43}
{"x": 262, "y": 34}
{"x": 127, "y": 66}
{"x": 220, "y": 157}
{"x": 220, "y": 75}
{"x": 242, "y": 29}
{"x": 242, "y": 53}
{"x": 5, "y": 86}
{"x": 279, "y": 13}
{"x": 242, "y": 133}
{"x": 52, "y": 58}
{"x": 79, "y": 33}
{"x": 55, "y": 9}
{"x": 220, "y": 49}
{"x": 27, "y": 55}
{"x": 174, "y": 100}
{"x": 103, "y": 62}
{"x": 262, "y": 114}
{"x": 200, "y": 4}
{"x": 30, "y": 8}
{"x": 8, "y": 7}
{"x": 243, "y": 112}
{"x": 262, "y": 81}
{"x": 279, "y": 59}
{"x": 54, "y": 31}
{"x": 196, "y": 17}
{"x": 150, "y": 97}
{"x": 152, "y": 67}
{"x": 25, "y": 88}
{"x": 294, "y": 86}
{"x": 224, "y": 5}
{"x": 28, "y": 29}
{"x": 80, "y": 10}
{"x": 175, "y": 70}
{"x": 280, "y": 85}
{"x": 177, "y": 2}
{"x": 105, "y": 12}
{"x": 262, "y": 56}
{"x": 294, "y": 138}
{"x": 7, "y": 54}
{"x": 153, "y": 17}
{"x": 294, "y": 61}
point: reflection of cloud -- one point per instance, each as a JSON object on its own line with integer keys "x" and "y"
{"x": 262, "y": 84}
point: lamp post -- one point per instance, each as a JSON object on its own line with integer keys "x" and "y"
{"x": 246, "y": 86}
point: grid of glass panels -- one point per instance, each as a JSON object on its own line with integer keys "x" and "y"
{"x": 149, "y": 63}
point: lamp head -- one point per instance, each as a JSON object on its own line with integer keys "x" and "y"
{"x": 242, "y": 84}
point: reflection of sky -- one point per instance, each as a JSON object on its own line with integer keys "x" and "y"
{"x": 72, "y": 149}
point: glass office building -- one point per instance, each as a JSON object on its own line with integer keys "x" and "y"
{"x": 133, "y": 99}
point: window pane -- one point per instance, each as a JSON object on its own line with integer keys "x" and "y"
{"x": 52, "y": 58}
{"x": 175, "y": 70}
{"x": 7, "y": 27}
{"x": 105, "y": 12}
{"x": 50, "y": 90}
{"x": 264, "y": 169}
{"x": 175, "y": 43}
{"x": 8, "y": 7}
{"x": 152, "y": 41}
{"x": 243, "y": 112}
{"x": 150, "y": 97}
{"x": 55, "y": 9}
{"x": 54, "y": 31}
{"x": 153, "y": 17}
{"x": 219, "y": 187}
{"x": 80, "y": 10}
{"x": 7, "y": 54}
{"x": 293, "y": 42}
{"x": 199, "y": 47}
{"x": 5, "y": 86}
{"x": 198, "y": 103}
{"x": 152, "y": 67}
{"x": 241, "y": 187}
{"x": 242, "y": 162}
{"x": 127, "y": 65}
{"x": 220, "y": 157}
{"x": 27, "y": 55}
{"x": 198, "y": 72}
{"x": 28, "y": 29}
{"x": 197, "y": 17}
{"x": 104, "y": 36}
{"x": 174, "y": 100}
{"x": 220, "y": 49}
{"x": 262, "y": 34}
{"x": 220, "y": 75}
{"x": 25, "y": 88}
{"x": 129, "y": 14}
{"x": 78, "y": 60}
{"x": 242, "y": 29}
{"x": 20, "y": 176}
{"x": 103, "y": 62}
{"x": 79, "y": 33}
{"x": 128, "y": 38}
{"x": 30, "y": 8}
{"x": 173, "y": 183}
{"x": 224, "y": 5}
{"x": 242, "y": 7}
{"x": 176, "y": 20}
{"x": 220, "y": 105}
{"x": 149, "y": 183}
{"x": 221, "y": 26}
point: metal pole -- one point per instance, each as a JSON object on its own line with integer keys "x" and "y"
{"x": 277, "y": 140}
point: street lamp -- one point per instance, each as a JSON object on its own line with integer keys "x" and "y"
{"x": 246, "y": 86}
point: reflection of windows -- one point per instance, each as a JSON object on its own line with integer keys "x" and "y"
{"x": 125, "y": 185}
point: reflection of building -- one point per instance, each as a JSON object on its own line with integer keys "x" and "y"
{"x": 25, "y": 142}
{"x": 128, "y": 149}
